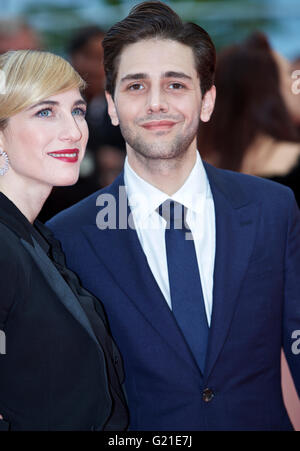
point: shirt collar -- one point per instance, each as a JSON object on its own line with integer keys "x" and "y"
{"x": 145, "y": 198}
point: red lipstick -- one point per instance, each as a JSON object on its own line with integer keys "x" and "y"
{"x": 66, "y": 155}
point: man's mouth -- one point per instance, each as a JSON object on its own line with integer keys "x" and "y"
{"x": 159, "y": 125}
{"x": 66, "y": 155}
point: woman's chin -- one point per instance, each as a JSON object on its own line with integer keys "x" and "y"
{"x": 67, "y": 181}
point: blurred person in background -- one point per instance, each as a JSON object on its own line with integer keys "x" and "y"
{"x": 111, "y": 159}
{"x": 18, "y": 35}
{"x": 251, "y": 129}
{"x": 106, "y": 148}
{"x": 86, "y": 55}
{"x": 296, "y": 91}
{"x": 288, "y": 87}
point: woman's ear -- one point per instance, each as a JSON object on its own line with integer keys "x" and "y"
{"x": 208, "y": 103}
{"x": 1, "y": 140}
{"x": 112, "y": 109}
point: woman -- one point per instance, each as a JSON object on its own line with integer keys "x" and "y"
{"x": 251, "y": 129}
{"x": 61, "y": 369}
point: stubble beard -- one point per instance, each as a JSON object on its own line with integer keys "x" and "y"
{"x": 159, "y": 150}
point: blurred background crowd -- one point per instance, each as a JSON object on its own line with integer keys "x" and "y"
{"x": 255, "y": 127}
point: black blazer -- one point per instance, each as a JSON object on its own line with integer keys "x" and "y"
{"x": 61, "y": 369}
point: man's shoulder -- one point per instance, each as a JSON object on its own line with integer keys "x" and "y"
{"x": 82, "y": 213}
{"x": 248, "y": 187}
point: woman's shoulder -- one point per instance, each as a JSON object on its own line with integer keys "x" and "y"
{"x": 10, "y": 263}
{"x": 8, "y": 237}
{"x": 12, "y": 251}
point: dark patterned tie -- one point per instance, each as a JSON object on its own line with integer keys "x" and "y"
{"x": 184, "y": 279}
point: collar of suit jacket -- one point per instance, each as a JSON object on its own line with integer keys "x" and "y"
{"x": 14, "y": 219}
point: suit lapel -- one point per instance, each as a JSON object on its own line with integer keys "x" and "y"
{"x": 60, "y": 287}
{"x": 120, "y": 251}
{"x": 235, "y": 233}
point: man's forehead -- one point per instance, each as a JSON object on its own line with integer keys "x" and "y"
{"x": 156, "y": 56}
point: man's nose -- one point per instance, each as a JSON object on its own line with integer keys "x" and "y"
{"x": 70, "y": 130}
{"x": 157, "y": 101}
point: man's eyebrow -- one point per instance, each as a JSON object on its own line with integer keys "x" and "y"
{"x": 144, "y": 76}
{"x": 137, "y": 76}
{"x": 174, "y": 74}
{"x": 52, "y": 102}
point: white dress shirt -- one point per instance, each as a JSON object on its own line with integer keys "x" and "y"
{"x": 196, "y": 196}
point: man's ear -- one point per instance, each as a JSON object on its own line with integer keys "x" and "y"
{"x": 112, "y": 109}
{"x": 208, "y": 103}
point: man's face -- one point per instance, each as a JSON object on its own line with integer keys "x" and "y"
{"x": 158, "y": 101}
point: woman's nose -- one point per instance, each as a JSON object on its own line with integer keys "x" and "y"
{"x": 70, "y": 130}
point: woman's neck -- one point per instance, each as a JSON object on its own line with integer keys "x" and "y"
{"x": 28, "y": 198}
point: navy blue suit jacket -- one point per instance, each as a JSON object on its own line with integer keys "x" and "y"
{"x": 256, "y": 309}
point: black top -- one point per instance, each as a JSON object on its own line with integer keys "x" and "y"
{"x": 97, "y": 388}
{"x": 292, "y": 180}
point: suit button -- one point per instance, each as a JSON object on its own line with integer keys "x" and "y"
{"x": 116, "y": 360}
{"x": 207, "y": 395}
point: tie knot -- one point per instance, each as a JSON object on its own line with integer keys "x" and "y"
{"x": 174, "y": 213}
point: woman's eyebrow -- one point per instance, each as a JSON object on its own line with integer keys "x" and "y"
{"x": 80, "y": 102}
{"x": 44, "y": 102}
{"x": 52, "y": 102}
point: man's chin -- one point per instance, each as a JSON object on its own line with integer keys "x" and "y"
{"x": 160, "y": 154}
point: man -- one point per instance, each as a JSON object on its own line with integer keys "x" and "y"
{"x": 201, "y": 284}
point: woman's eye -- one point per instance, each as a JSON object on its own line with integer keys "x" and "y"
{"x": 44, "y": 113}
{"x": 79, "y": 112}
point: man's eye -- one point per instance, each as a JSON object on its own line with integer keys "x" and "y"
{"x": 79, "y": 112}
{"x": 44, "y": 113}
{"x": 176, "y": 86}
{"x": 136, "y": 87}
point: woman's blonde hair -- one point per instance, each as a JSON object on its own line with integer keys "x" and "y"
{"x": 30, "y": 76}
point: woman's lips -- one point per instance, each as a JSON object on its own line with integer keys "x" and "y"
{"x": 66, "y": 155}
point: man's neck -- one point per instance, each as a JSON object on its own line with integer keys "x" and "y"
{"x": 168, "y": 175}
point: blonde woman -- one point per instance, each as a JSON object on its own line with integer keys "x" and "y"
{"x": 59, "y": 367}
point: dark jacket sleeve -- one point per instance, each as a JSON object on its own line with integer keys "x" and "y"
{"x": 8, "y": 289}
{"x": 8, "y": 280}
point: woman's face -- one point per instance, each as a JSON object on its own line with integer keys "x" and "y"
{"x": 46, "y": 142}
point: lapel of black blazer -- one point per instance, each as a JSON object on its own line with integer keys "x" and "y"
{"x": 60, "y": 287}
{"x": 236, "y": 219}
{"x": 121, "y": 253}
